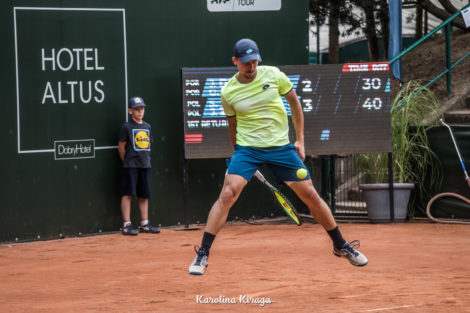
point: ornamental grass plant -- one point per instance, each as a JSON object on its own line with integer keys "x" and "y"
{"x": 413, "y": 111}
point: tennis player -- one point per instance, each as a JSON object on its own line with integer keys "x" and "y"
{"x": 258, "y": 130}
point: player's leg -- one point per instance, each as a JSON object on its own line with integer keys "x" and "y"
{"x": 296, "y": 176}
{"x": 144, "y": 194}
{"x": 288, "y": 167}
{"x": 128, "y": 190}
{"x": 318, "y": 208}
{"x": 233, "y": 185}
{"x": 322, "y": 214}
{"x": 243, "y": 165}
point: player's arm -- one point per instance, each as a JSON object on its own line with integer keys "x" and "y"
{"x": 232, "y": 129}
{"x": 298, "y": 121}
{"x": 122, "y": 150}
{"x": 231, "y": 118}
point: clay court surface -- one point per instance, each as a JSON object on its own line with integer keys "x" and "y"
{"x": 413, "y": 267}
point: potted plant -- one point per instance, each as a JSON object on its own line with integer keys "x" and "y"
{"x": 413, "y": 111}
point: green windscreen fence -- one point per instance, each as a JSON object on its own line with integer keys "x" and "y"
{"x": 451, "y": 173}
{"x": 68, "y": 68}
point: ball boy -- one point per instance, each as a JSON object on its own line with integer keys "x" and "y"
{"x": 134, "y": 151}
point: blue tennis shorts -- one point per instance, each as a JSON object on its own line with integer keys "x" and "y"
{"x": 136, "y": 182}
{"x": 283, "y": 161}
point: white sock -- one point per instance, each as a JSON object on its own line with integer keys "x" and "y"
{"x": 127, "y": 224}
{"x": 144, "y": 222}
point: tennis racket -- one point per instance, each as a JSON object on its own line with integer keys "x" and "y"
{"x": 283, "y": 201}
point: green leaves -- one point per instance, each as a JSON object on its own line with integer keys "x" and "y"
{"x": 414, "y": 111}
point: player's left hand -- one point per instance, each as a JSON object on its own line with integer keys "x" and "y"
{"x": 300, "y": 149}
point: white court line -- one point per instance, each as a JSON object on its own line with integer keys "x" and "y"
{"x": 389, "y": 308}
{"x": 393, "y": 308}
{"x": 388, "y": 294}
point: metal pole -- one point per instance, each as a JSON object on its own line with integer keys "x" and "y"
{"x": 318, "y": 43}
{"x": 333, "y": 182}
{"x": 390, "y": 187}
{"x": 448, "y": 65}
{"x": 186, "y": 193}
{"x": 324, "y": 178}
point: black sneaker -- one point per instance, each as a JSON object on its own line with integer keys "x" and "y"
{"x": 200, "y": 262}
{"x": 129, "y": 230}
{"x": 349, "y": 252}
{"x": 149, "y": 228}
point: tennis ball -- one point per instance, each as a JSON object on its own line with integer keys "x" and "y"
{"x": 301, "y": 173}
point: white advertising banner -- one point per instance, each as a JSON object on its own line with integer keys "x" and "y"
{"x": 243, "y": 5}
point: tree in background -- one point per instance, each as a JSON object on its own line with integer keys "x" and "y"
{"x": 425, "y": 7}
{"x": 419, "y": 22}
{"x": 334, "y": 13}
{"x": 384, "y": 25}
{"x": 319, "y": 10}
{"x": 372, "y": 19}
{"x": 443, "y": 14}
{"x": 369, "y": 27}
{"x": 333, "y": 38}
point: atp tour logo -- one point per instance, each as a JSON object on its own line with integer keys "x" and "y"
{"x": 141, "y": 139}
{"x": 243, "y": 5}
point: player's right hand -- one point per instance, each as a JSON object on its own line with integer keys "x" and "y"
{"x": 300, "y": 149}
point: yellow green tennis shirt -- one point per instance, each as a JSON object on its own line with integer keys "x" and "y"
{"x": 258, "y": 107}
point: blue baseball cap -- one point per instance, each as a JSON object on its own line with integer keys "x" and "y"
{"x": 246, "y": 50}
{"x": 136, "y": 102}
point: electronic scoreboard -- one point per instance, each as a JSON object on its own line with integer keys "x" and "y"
{"x": 346, "y": 108}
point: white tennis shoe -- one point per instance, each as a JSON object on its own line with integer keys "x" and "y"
{"x": 349, "y": 252}
{"x": 200, "y": 263}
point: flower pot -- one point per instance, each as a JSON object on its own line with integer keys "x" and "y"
{"x": 377, "y": 198}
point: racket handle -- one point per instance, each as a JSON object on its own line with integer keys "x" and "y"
{"x": 260, "y": 176}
